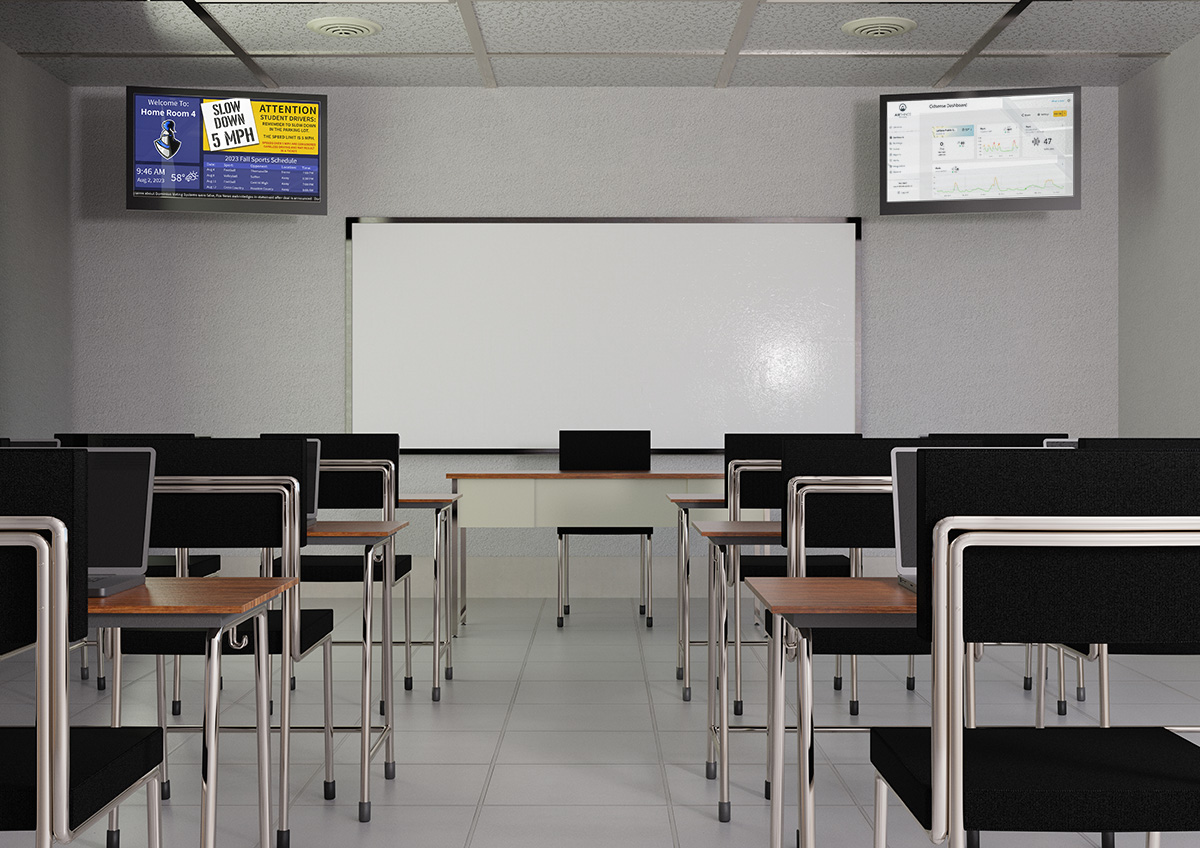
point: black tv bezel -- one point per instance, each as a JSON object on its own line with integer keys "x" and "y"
{"x": 999, "y": 204}
{"x": 193, "y": 203}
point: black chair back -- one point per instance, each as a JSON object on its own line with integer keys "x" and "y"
{"x": 97, "y": 440}
{"x": 1000, "y": 440}
{"x": 350, "y": 490}
{"x": 221, "y": 520}
{"x": 603, "y": 450}
{"x": 765, "y": 489}
{"x": 53, "y": 483}
{"x": 1064, "y": 595}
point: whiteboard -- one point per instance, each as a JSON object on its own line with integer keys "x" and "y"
{"x": 498, "y": 333}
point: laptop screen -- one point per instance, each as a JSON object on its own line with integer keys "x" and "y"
{"x": 120, "y": 489}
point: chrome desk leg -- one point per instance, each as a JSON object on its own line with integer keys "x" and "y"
{"x": 262, "y": 723}
{"x": 327, "y": 684}
{"x": 160, "y": 681}
{"x": 881, "y": 798}
{"x": 1062, "y": 684}
{"x": 561, "y": 611}
{"x": 1040, "y": 717}
{"x": 1102, "y": 667}
{"x": 153, "y": 813}
{"x": 1080, "y": 685}
{"x": 804, "y": 735}
{"x": 642, "y": 577}
{"x": 101, "y": 638}
{"x": 437, "y": 607}
{"x": 710, "y": 763}
{"x": 283, "y": 832}
{"x": 648, "y": 558}
{"x": 447, "y": 569}
{"x": 387, "y": 672}
{"x": 364, "y": 763}
{"x": 776, "y": 712}
{"x": 566, "y": 575}
{"x": 212, "y": 717}
{"x": 733, "y": 558}
{"x": 452, "y": 572}
{"x": 723, "y": 804}
{"x": 969, "y": 690}
{"x": 114, "y": 634}
{"x": 1028, "y": 682}
{"x": 84, "y": 671}
{"x": 408, "y": 674}
{"x": 681, "y": 587}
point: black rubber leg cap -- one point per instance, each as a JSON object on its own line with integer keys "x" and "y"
{"x": 1108, "y": 839}
{"x": 767, "y": 789}
{"x": 972, "y": 839}
{"x": 112, "y": 838}
{"x": 176, "y": 707}
{"x": 389, "y": 771}
{"x": 837, "y": 684}
{"x": 1028, "y": 684}
{"x": 221, "y": 682}
{"x": 641, "y": 609}
{"x": 164, "y": 790}
{"x": 364, "y": 811}
{"x": 408, "y": 684}
{"x": 271, "y": 707}
{"x": 85, "y": 673}
{"x": 437, "y": 693}
{"x": 1081, "y": 693}
{"x": 382, "y": 711}
{"x": 102, "y": 684}
{"x": 449, "y": 672}
{"x": 1062, "y": 707}
{"x": 854, "y": 708}
{"x": 687, "y": 693}
{"x": 910, "y": 683}
{"x": 560, "y": 621}
{"x": 723, "y": 813}
{"x": 737, "y": 707}
{"x": 710, "y": 771}
{"x": 293, "y": 684}
{"x": 566, "y": 609}
{"x": 679, "y": 672}
{"x": 649, "y": 621}
{"x": 330, "y": 789}
{"x": 283, "y": 839}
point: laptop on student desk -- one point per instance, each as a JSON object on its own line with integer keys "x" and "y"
{"x": 120, "y": 493}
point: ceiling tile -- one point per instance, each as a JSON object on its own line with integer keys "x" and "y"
{"x": 605, "y": 26}
{"x": 606, "y": 70}
{"x": 838, "y": 70}
{"x": 282, "y": 27}
{"x": 104, "y": 26}
{"x": 818, "y": 26}
{"x": 190, "y": 72}
{"x": 1049, "y": 70}
{"x": 300, "y": 72}
{"x": 1124, "y": 25}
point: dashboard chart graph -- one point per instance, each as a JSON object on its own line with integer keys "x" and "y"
{"x": 954, "y": 183}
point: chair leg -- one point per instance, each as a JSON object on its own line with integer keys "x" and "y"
{"x": 837, "y": 673}
{"x": 1153, "y": 840}
{"x": 160, "y": 675}
{"x": 84, "y": 671}
{"x": 1040, "y": 712}
{"x": 854, "y": 684}
{"x": 101, "y": 682}
{"x": 408, "y": 674}
{"x": 910, "y": 682}
{"x": 1028, "y": 667}
{"x": 881, "y": 806}
{"x": 1062, "y": 684}
{"x": 113, "y": 837}
{"x": 562, "y": 550}
{"x": 1080, "y": 687}
{"x": 330, "y": 782}
{"x": 734, "y": 558}
{"x": 642, "y": 580}
{"x": 176, "y": 698}
{"x": 648, "y": 558}
{"x": 153, "y": 814}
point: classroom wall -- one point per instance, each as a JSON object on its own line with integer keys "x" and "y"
{"x": 35, "y": 295}
{"x": 1159, "y": 248}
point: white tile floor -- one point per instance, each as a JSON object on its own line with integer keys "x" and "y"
{"x": 574, "y": 737}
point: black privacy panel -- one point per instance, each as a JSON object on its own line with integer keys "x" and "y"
{"x": 1062, "y": 594}
{"x": 42, "y": 482}
{"x": 221, "y": 520}
{"x": 764, "y": 489}
{"x": 351, "y": 489}
{"x": 603, "y": 450}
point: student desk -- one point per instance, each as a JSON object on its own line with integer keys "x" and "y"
{"x": 558, "y": 498}
{"x": 215, "y": 605}
{"x": 369, "y": 534}
{"x": 806, "y": 603}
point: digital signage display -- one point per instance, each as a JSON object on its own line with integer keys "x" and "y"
{"x": 225, "y": 151}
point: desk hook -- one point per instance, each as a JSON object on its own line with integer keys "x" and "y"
{"x": 234, "y": 644}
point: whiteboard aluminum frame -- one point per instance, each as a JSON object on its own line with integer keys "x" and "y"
{"x": 857, "y": 221}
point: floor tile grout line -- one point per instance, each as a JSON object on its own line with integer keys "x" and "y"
{"x": 512, "y": 703}
{"x": 662, "y": 767}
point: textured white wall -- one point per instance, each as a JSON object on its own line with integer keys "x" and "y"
{"x": 1160, "y": 250}
{"x": 35, "y": 298}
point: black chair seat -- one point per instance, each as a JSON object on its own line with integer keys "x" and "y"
{"x": 199, "y": 565}
{"x": 105, "y": 761}
{"x": 315, "y": 625}
{"x": 605, "y": 531}
{"x": 1061, "y": 779}
{"x": 823, "y": 565}
{"x": 343, "y": 568}
{"x": 1147, "y": 649}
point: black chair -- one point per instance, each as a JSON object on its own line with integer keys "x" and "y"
{"x": 357, "y": 472}
{"x": 218, "y": 518}
{"x": 604, "y": 451}
{"x": 1106, "y": 552}
{"x": 753, "y": 481}
{"x": 54, "y": 783}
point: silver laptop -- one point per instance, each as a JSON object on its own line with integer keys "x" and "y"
{"x": 120, "y": 496}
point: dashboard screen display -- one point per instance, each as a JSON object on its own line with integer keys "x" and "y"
{"x": 225, "y": 151}
{"x": 979, "y": 151}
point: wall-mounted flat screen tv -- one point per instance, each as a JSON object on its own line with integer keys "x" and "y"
{"x": 979, "y": 151}
{"x": 225, "y": 151}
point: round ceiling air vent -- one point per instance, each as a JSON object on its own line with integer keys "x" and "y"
{"x": 344, "y": 27}
{"x": 878, "y": 27}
